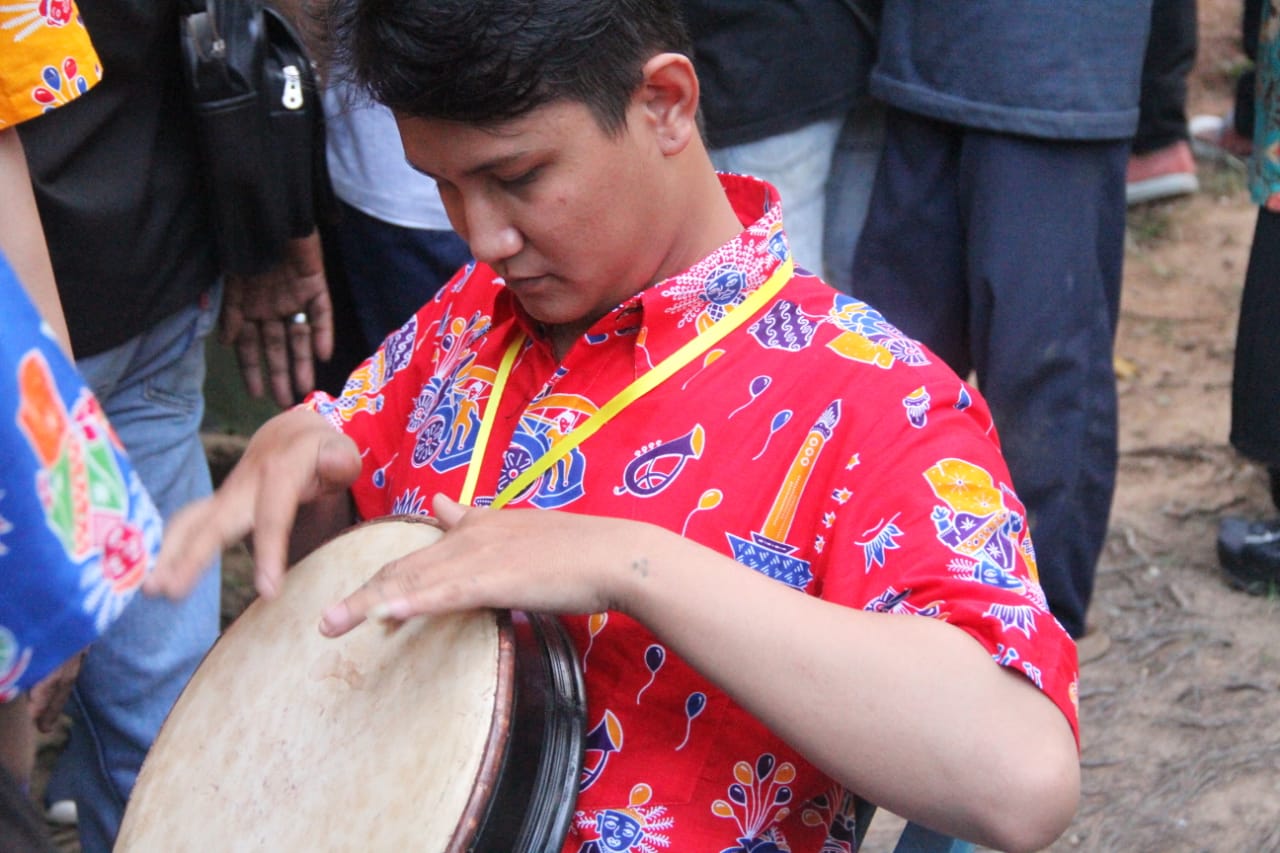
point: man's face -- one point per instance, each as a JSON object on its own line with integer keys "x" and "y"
{"x": 564, "y": 212}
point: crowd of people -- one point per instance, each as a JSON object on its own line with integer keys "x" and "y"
{"x": 570, "y": 235}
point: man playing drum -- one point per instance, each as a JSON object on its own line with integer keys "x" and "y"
{"x": 751, "y": 487}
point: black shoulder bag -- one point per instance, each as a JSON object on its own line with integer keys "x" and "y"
{"x": 261, "y": 128}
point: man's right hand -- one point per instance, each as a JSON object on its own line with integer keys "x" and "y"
{"x": 294, "y": 459}
{"x": 281, "y": 321}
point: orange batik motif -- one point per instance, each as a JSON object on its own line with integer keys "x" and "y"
{"x": 46, "y": 58}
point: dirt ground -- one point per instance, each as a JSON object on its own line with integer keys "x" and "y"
{"x": 1179, "y": 749}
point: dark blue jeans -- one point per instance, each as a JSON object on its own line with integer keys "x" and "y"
{"x": 379, "y": 275}
{"x": 151, "y": 388}
{"x": 1003, "y": 254}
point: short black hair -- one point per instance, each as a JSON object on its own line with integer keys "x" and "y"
{"x": 485, "y": 62}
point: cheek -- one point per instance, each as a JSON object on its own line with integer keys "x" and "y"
{"x": 588, "y": 231}
{"x": 564, "y": 226}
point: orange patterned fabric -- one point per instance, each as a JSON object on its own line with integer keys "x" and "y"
{"x": 46, "y": 58}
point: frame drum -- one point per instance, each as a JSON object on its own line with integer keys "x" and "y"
{"x": 448, "y": 733}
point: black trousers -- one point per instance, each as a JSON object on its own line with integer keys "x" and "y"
{"x": 1171, "y": 51}
{"x": 1244, "y": 103}
{"x": 1255, "y": 383}
{"x": 1003, "y": 254}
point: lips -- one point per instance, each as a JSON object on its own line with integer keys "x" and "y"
{"x": 525, "y": 282}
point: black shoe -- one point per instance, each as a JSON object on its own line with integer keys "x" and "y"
{"x": 1249, "y": 552}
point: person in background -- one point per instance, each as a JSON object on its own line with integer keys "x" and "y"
{"x": 853, "y": 170}
{"x": 118, "y": 185}
{"x": 778, "y": 81}
{"x": 393, "y": 237}
{"x": 1249, "y": 549}
{"x": 78, "y": 531}
{"x": 995, "y": 235}
{"x": 389, "y": 247}
{"x": 1215, "y": 137}
{"x": 1161, "y": 164}
{"x": 638, "y": 411}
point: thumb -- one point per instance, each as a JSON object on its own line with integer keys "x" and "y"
{"x": 447, "y": 511}
{"x": 337, "y": 463}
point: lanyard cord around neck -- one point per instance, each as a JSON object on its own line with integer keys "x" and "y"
{"x": 628, "y": 395}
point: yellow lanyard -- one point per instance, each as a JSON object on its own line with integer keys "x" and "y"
{"x": 628, "y": 395}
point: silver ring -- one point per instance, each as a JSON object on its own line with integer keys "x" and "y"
{"x": 299, "y": 319}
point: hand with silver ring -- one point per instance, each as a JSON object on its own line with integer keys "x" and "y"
{"x": 280, "y": 321}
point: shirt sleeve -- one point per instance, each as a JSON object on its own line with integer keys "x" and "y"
{"x": 382, "y": 400}
{"x": 931, "y": 526}
{"x": 46, "y": 59}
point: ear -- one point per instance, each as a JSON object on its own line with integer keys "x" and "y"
{"x": 669, "y": 99}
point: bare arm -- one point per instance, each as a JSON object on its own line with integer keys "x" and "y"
{"x": 22, "y": 237}
{"x": 865, "y": 701}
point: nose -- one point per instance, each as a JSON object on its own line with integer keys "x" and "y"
{"x": 488, "y": 230}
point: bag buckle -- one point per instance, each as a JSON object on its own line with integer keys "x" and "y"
{"x": 292, "y": 98}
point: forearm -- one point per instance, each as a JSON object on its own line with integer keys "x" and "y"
{"x": 909, "y": 712}
{"x": 22, "y": 237}
{"x": 905, "y": 710}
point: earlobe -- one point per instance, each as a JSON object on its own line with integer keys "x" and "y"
{"x": 670, "y": 100}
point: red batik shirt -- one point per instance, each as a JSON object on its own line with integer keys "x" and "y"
{"x": 815, "y": 444}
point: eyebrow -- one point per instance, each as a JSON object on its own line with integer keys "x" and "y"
{"x": 486, "y": 166}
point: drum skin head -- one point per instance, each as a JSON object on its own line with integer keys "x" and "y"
{"x": 286, "y": 740}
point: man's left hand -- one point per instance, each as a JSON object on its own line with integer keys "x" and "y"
{"x": 521, "y": 559}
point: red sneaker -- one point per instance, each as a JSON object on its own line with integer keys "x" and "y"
{"x": 1164, "y": 173}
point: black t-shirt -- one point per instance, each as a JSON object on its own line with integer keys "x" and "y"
{"x": 771, "y": 66}
{"x": 118, "y": 184}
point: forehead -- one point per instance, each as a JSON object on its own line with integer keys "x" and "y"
{"x": 452, "y": 149}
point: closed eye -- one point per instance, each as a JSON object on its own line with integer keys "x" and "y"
{"x": 520, "y": 180}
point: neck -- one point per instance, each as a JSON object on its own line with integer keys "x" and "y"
{"x": 709, "y": 222}
{"x": 562, "y": 337}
